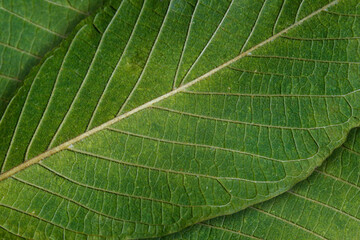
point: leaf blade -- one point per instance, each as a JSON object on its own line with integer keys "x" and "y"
{"x": 330, "y": 196}
{"x": 142, "y": 142}
{"x": 26, "y": 36}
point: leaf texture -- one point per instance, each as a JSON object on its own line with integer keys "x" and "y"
{"x": 157, "y": 115}
{"x": 29, "y": 29}
{"x": 324, "y": 206}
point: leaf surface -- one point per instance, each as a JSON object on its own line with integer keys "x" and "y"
{"x": 157, "y": 115}
{"x": 29, "y": 29}
{"x": 324, "y": 206}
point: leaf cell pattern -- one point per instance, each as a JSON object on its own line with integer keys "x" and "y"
{"x": 177, "y": 112}
{"x": 324, "y": 206}
{"x": 29, "y": 29}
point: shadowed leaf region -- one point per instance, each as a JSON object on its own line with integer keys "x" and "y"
{"x": 29, "y": 29}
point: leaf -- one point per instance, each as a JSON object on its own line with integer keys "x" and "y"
{"x": 157, "y": 115}
{"x": 28, "y": 30}
{"x": 324, "y": 206}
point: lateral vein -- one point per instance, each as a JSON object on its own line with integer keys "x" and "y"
{"x": 65, "y": 145}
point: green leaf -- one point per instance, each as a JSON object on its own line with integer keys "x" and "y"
{"x": 324, "y": 206}
{"x": 157, "y": 115}
{"x": 29, "y": 29}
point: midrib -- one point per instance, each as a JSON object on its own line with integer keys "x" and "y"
{"x": 65, "y": 145}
